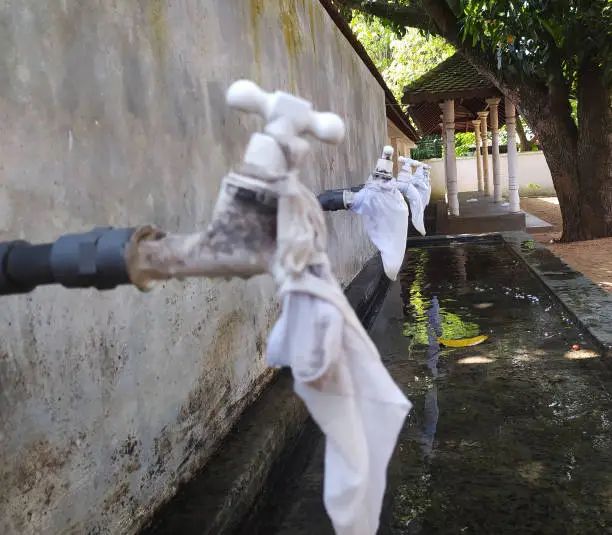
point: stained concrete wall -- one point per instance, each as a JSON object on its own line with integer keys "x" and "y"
{"x": 532, "y": 169}
{"x": 113, "y": 113}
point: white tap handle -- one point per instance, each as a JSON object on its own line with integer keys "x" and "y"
{"x": 405, "y": 159}
{"x": 327, "y": 127}
{"x": 387, "y": 152}
{"x": 292, "y": 116}
{"x": 247, "y": 96}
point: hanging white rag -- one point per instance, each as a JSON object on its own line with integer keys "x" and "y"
{"x": 385, "y": 216}
{"x": 337, "y": 369}
{"x": 423, "y": 184}
{"x": 407, "y": 185}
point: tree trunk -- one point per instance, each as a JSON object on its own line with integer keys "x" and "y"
{"x": 579, "y": 157}
{"x": 548, "y": 114}
{"x": 594, "y": 154}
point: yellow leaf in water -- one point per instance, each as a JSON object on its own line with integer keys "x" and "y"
{"x": 463, "y": 342}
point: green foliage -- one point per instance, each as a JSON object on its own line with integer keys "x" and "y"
{"x": 400, "y": 54}
{"x": 464, "y": 143}
{"x": 452, "y": 325}
{"x": 375, "y": 38}
{"x": 540, "y": 37}
{"x": 413, "y": 56}
{"x": 428, "y": 147}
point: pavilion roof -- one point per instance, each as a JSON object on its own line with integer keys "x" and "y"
{"x": 456, "y": 79}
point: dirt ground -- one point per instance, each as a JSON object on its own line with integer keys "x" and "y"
{"x": 593, "y": 258}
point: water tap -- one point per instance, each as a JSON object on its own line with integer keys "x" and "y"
{"x": 382, "y": 171}
{"x": 384, "y": 165}
{"x": 247, "y": 233}
{"x": 281, "y": 147}
{"x": 341, "y": 199}
{"x": 239, "y": 241}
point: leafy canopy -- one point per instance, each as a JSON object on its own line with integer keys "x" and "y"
{"x": 540, "y": 36}
{"x": 537, "y": 38}
{"x": 400, "y": 56}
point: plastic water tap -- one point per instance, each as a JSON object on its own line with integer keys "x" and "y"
{"x": 382, "y": 171}
{"x": 281, "y": 146}
{"x": 249, "y": 222}
{"x": 240, "y": 241}
{"x": 416, "y": 189}
{"x": 406, "y": 167}
{"x": 409, "y": 161}
{"x": 384, "y": 165}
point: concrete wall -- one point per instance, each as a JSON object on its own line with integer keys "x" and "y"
{"x": 113, "y": 113}
{"x": 532, "y": 169}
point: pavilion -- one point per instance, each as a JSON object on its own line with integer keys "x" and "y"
{"x": 469, "y": 102}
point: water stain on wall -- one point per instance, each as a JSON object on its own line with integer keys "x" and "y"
{"x": 288, "y": 19}
{"x": 311, "y": 21}
{"x": 156, "y": 19}
{"x": 256, "y": 11}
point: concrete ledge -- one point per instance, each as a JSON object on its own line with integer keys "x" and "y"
{"x": 232, "y": 487}
{"x": 492, "y": 223}
{"x": 483, "y": 215}
{"x": 586, "y": 302}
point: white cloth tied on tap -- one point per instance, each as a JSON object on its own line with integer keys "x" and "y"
{"x": 337, "y": 369}
{"x": 385, "y": 216}
{"x": 422, "y": 183}
{"x": 417, "y": 190}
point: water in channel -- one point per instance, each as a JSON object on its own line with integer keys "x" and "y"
{"x": 511, "y": 436}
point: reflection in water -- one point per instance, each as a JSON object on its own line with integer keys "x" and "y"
{"x": 432, "y": 412}
{"x": 434, "y": 331}
{"x": 461, "y": 266}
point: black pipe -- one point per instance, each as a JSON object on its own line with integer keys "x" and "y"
{"x": 332, "y": 200}
{"x": 94, "y": 259}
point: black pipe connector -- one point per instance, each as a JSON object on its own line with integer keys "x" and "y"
{"x": 332, "y": 200}
{"x": 94, "y": 259}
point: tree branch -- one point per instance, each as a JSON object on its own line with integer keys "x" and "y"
{"x": 445, "y": 21}
{"x": 526, "y": 144}
{"x": 410, "y": 16}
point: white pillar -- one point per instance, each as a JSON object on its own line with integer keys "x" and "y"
{"x": 444, "y": 156}
{"x": 513, "y": 194}
{"x": 478, "y": 155}
{"x": 485, "y": 152}
{"x": 449, "y": 127}
{"x": 493, "y": 107}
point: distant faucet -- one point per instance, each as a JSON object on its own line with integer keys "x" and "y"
{"x": 342, "y": 198}
{"x": 384, "y": 212}
{"x": 383, "y": 171}
{"x": 416, "y": 189}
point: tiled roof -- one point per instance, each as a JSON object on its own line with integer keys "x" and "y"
{"x": 452, "y": 79}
